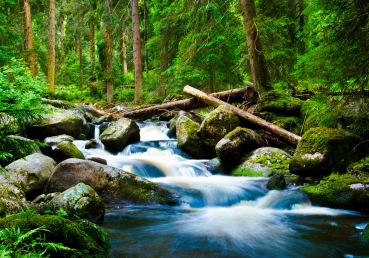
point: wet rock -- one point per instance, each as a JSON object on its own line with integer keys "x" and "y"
{"x": 31, "y": 173}
{"x": 65, "y": 150}
{"x": 188, "y": 138}
{"x": 325, "y": 150}
{"x": 81, "y": 201}
{"x": 112, "y": 185}
{"x": 85, "y": 239}
{"x": 55, "y": 140}
{"x": 59, "y": 122}
{"x": 236, "y": 144}
{"x": 91, "y": 144}
{"x": 276, "y": 182}
{"x": 263, "y": 162}
{"x": 119, "y": 134}
{"x": 107, "y": 118}
{"x": 191, "y": 115}
{"x": 98, "y": 160}
{"x": 12, "y": 199}
{"x": 219, "y": 122}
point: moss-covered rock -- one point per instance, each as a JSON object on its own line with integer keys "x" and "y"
{"x": 31, "y": 173}
{"x": 80, "y": 200}
{"x": 219, "y": 122}
{"x": 55, "y": 140}
{"x": 276, "y": 182}
{"x": 263, "y": 162}
{"x": 236, "y": 144}
{"x": 119, "y": 134}
{"x": 322, "y": 151}
{"x": 87, "y": 239}
{"x": 112, "y": 185}
{"x": 365, "y": 236}
{"x": 188, "y": 138}
{"x": 12, "y": 199}
{"x": 107, "y": 118}
{"x": 278, "y": 102}
{"x": 344, "y": 191}
{"x": 66, "y": 150}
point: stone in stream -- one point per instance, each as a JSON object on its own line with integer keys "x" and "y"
{"x": 65, "y": 150}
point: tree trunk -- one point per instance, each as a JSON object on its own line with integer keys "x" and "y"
{"x": 51, "y": 59}
{"x": 258, "y": 65}
{"x": 79, "y": 48}
{"x": 108, "y": 52}
{"x": 236, "y": 95}
{"x": 137, "y": 58}
{"x": 30, "y": 49}
{"x": 291, "y": 137}
{"x": 123, "y": 53}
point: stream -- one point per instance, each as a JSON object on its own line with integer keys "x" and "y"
{"x": 220, "y": 216}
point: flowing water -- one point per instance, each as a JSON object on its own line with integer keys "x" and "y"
{"x": 220, "y": 216}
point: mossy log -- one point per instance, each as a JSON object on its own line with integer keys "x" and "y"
{"x": 210, "y": 100}
{"x": 186, "y": 104}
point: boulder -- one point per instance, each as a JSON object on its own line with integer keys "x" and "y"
{"x": 219, "y": 122}
{"x": 112, "y": 185}
{"x": 59, "y": 122}
{"x": 12, "y": 199}
{"x": 191, "y": 115}
{"x": 106, "y": 118}
{"x": 65, "y": 150}
{"x": 98, "y": 160}
{"x": 276, "y": 182}
{"x": 322, "y": 151}
{"x": 277, "y": 102}
{"x": 236, "y": 144}
{"x": 119, "y": 134}
{"x": 82, "y": 238}
{"x": 188, "y": 138}
{"x": 92, "y": 144}
{"x": 81, "y": 201}
{"x": 55, "y": 140}
{"x": 31, "y": 173}
{"x": 263, "y": 162}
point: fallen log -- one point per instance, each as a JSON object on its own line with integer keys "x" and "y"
{"x": 290, "y": 137}
{"x": 185, "y": 104}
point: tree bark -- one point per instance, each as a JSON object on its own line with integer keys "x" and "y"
{"x": 51, "y": 58}
{"x": 259, "y": 69}
{"x": 137, "y": 58}
{"x": 108, "y": 52}
{"x": 291, "y": 137}
{"x": 30, "y": 48}
{"x": 79, "y": 48}
{"x": 123, "y": 53}
{"x": 186, "y": 104}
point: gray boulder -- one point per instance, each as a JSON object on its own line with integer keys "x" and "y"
{"x": 188, "y": 138}
{"x": 219, "y": 122}
{"x": 236, "y": 144}
{"x": 263, "y": 162}
{"x": 55, "y": 140}
{"x": 276, "y": 182}
{"x": 107, "y": 118}
{"x": 65, "y": 150}
{"x": 31, "y": 173}
{"x": 113, "y": 185}
{"x": 12, "y": 199}
{"x": 59, "y": 122}
{"x": 119, "y": 134}
{"x": 80, "y": 200}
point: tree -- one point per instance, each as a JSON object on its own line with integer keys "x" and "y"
{"x": 51, "y": 55}
{"x": 258, "y": 65}
{"x": 137, "y": 58}
{"x": 31, "y": 55}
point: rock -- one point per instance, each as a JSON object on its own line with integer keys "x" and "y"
{"x": 263, "y": 162}
{"x": 65, "y": 150}
{"x": 112, "y": 185}
{"x": 31, "y": 173}
{"x": 236, "y": 144}
{"x": 98, "y": 160}
{"x": 325, "y": 150}
{"x": 365, "y": 235}
{"x": 81, "y": 201}
{"x": 12, "y": 199}
{"x": 55, "y": 140}
{"x": 188, "y": 138}
{"x": 344, "y": 191}
{"x": 92, "y": 144}
{"x": 276, "y": 182}
{"x": 60, "y": 122}
{"x": 277, "y": 102}
{"x": 191, "y": 115}
{"x": 219, "y": 122}
{"x": 119, "y": 134}
{"x": 107, "y": 118}
{"x": 85, "y": 238}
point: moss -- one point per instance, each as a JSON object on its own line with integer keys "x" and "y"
{"x": 88, "y": 239}
{"x": 188, "y": 138}
{"x": 244, "y": 170}
{"x": 335, "y": 192}
{"x": 365, "y": 235}
{"x": 359, "y": 168}
{"x": 274, "y": 101}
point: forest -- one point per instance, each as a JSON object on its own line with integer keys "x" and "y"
{"x": 305, "y": 66}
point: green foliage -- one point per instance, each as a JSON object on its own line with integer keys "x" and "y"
{"x": 20, "y": 106}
